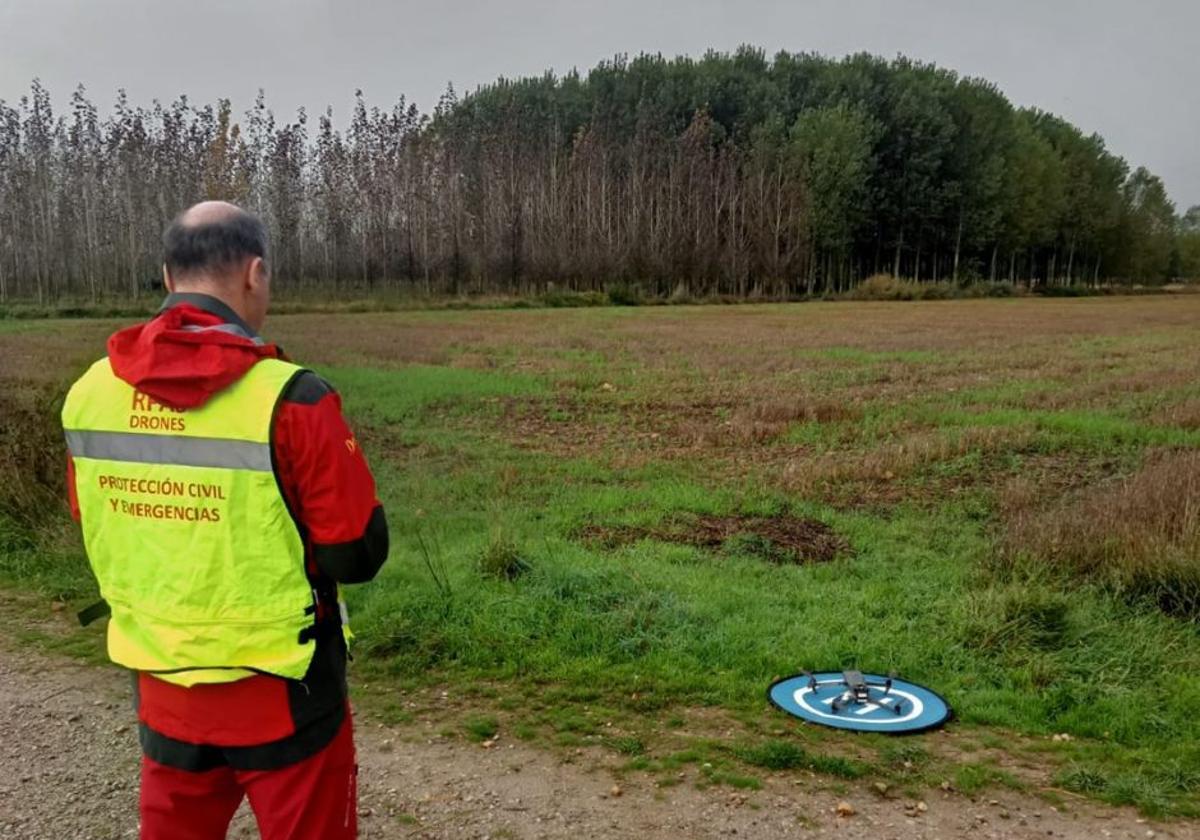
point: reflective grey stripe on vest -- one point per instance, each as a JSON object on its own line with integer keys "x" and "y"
{"x": 170, "y": 449}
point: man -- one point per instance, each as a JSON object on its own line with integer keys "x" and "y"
{"x": 222, "y": 500}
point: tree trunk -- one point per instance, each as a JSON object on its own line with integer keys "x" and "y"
{"x": 812, "y": 272}
{"x": 958, "y": 245}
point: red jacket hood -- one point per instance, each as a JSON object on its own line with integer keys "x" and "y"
{"x": 184, "y": 355}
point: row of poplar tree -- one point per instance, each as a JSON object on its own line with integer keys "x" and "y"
{"x": 726, "y": 175}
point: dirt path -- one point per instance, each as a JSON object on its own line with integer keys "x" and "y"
{"x": 68, "y": 760}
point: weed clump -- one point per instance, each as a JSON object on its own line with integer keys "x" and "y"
{"x": 628, "y": 745}
{"x": 1082, "y": 780}
{"x": 501, "y": 559}
{"x": 481, "y": 728}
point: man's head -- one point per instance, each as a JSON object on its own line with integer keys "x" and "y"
{"x": 219, "y": 249}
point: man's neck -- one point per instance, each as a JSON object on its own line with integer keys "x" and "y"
{"x": 211, "y": 304}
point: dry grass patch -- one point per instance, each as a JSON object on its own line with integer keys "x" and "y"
{"x": 780, "y": 539}
{"x": 767, "y": 420}
{"x": 1139, "y": 535}
{"x": 890, "y": 462}
{"x": 1184, "y": 415}
{"x": 1099, "y": 391}
{"x": 692, "y": 426}
{"x": 800, "y": 409}
{"x": 742, "y": 422}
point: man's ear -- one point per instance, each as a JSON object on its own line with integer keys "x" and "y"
{"x": 255, "y": 269}
{"x": 168, "y": 282}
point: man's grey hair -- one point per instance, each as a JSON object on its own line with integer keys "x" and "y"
{"x": 213, "y": 245}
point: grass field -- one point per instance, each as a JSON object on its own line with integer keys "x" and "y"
{"x": 646, "y": 515}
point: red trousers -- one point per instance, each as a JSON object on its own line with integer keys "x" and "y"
{"x": 313, "y": 799}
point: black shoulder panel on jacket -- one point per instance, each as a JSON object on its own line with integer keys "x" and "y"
{"x": 307, "y": 389}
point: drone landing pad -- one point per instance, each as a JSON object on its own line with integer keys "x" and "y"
{"x": 893, "y": 707}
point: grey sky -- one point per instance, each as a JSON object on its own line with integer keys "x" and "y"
{"x": 1128, "y": 70}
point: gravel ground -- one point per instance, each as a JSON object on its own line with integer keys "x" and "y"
{"x": 68, "y": 764}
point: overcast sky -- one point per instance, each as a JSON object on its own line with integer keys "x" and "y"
{"x": 1128, "y": 70}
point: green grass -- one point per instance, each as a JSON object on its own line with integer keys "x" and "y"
{"x": 489, "y": 581}
{"x": 481, "y": 728}
{"x": 785, "y": 755}
{"x": 14, "y": 326}
{"x": 383, "y": 396}
{"x": 627, "y": 745}
{"x": 972, "y": 778}
{"x": 859, "y": 357}
{"x": 1077, "y": 429}
{"x": 657, "y": 624}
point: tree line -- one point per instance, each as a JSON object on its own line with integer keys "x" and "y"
{"x": 732, "y": 174}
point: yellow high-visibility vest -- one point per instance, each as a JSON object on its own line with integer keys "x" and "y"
{"x": 187, "y": 529}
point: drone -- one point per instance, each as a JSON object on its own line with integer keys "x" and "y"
{"x": 860, "y": 702}
{"x": 858, "y": 691}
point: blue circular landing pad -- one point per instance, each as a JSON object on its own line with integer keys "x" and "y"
{"x": 828, "y": 699}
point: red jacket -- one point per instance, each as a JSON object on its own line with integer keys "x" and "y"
{"x": 261, "y": 721}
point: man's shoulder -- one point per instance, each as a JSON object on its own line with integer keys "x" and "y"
{"x": 100, "y": 366}
{"x": 97, "y": 373}
{"x": 307, "y": 389}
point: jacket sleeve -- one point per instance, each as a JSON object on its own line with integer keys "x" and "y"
{"x": 326, "y": 481}
{"x": 72, "y": 492}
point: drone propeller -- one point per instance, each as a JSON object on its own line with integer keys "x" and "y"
{"x": 812, "y": 681}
